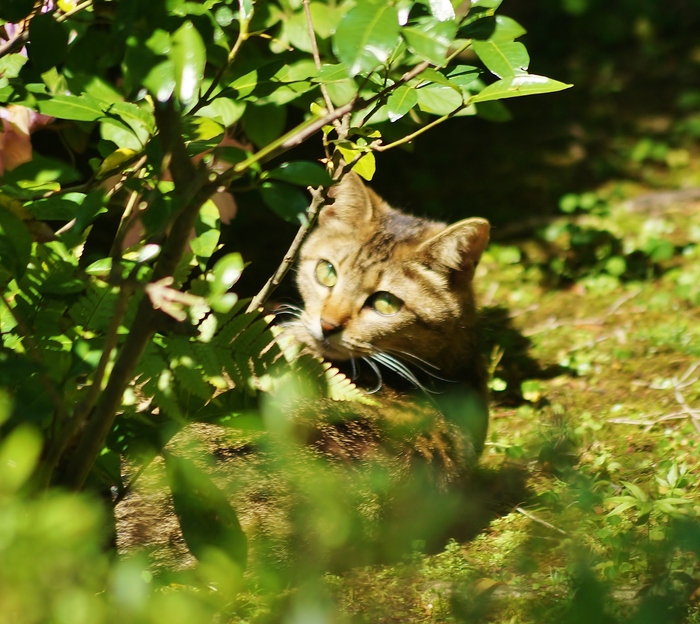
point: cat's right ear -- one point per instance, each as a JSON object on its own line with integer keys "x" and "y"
{"x": 354, "y": 202}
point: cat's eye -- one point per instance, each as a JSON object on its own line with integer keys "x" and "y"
{"x": 325, "y": 274}
{"x": 385, "y": 303}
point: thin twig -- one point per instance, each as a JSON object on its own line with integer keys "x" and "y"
{"x": 318, "y": 198}
{"x": 240, "y": 40}
{"x": 129, "y": 486}
{"x": 315, "y": 54}
{"x": 533, "y": 517}
{"x": 622, "y": 301}
{"x": 378, "y": 147}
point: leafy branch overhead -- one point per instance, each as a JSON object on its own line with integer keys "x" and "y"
{"x": 118, "y": 321}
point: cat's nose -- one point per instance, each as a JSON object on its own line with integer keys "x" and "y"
{"x": 329, "y": 328}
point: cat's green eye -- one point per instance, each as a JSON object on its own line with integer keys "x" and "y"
{"x": 385, "y": 303}
{"x": 325, "y": 274}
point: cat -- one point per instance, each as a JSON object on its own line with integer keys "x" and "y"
{"x": 394, "y": 291}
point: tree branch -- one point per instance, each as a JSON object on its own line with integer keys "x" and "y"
{"x": 193, "y": 188}
{"x": 318, "y": 199}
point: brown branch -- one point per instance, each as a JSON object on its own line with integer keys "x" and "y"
{"x": 81, "y": 412}
{"x": 318, "y": 198}
{"x": 315, "y": 54}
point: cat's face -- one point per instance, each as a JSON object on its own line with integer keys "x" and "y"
{"x": 377, "y": 281}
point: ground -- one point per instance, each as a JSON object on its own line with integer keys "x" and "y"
{"x": 592, "y": 327}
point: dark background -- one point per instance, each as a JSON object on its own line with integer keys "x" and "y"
{"x": 635, "y": 66}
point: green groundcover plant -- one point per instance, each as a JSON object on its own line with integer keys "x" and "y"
{"x": 119, "y": 326}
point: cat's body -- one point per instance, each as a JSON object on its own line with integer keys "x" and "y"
{"x": 386, "y": 291}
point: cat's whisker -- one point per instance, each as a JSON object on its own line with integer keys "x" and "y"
{"x": 395, "y": 354}
{"x": 354, "y": 367}
{"x": 377, "y": 372}
{"x": 399, "y": 353}
{"x": 288, "y": 309}
{"x": 400, "y": 369}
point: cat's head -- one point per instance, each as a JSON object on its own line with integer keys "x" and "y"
{"x": 375, "y": 280}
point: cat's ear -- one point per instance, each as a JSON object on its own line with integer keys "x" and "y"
{"x": 354, "y": 202}
{"x": 459, "y": 246}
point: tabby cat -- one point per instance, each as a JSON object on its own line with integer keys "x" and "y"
{"x": 391, "y": 294}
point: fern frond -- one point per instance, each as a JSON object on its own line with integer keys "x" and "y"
{"x": 341, "y": 388}
{"x": 94, "y": 310}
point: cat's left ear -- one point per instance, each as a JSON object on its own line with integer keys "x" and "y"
{"x": 459, "y": 246}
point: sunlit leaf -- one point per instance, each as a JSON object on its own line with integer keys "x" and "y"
{"x": 401, "y": 101}
{"x": 438, "y": 99}
{"x": 442, "y": 9}
{"x": 529, "y": 84}
{"x": 366, "y": 36}
{"x": 430, "y": 39}
{"x": 77, "y": 108}
{"x": 504, "y": 59}
{"x": 226, "y": 272}
{"x": 189, "y": 56}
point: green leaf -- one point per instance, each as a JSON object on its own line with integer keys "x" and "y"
{"x": 263, "y": 124}
{"x": 285, "y": 200}
{"x": 48, "y": 42}
{"x": 340, "y": 88}
{"x": 206, "y": 229}
{"x": 11, "y": 65}
{"x": 401, "y": 101}
{"x": 19, "y": 454}
{"x": 226, "y": 273}
{"x": 430, "y": 39}
{"x": 463, "y": 75}
{"x": 138, "y": 118}
{"x": 365, "y": 167}
{"x": 120, "y": 134}
{"x": 15, "y": 244}
{"x": 302, "y": 173}
{"x": 438, "y": 99}
{"x": 231, "y": 155}
{"x": 245, "y": 10}
{"x": 636, "y": 491}
{"x": 74, "y": 107}
{"x": 529, "y": 84}
{"x": 224, "y": 110}
{"x": 366, "y": 36}
{"x": 493, "y": 111}
{"x": 504, "y": 59}
{"x": 189, "y": 56}
{"x": 507, "y": 29}
{"x": 160, "y": 80}
{"x": 494, "y": 28}
{"x": 206, "y": 518}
